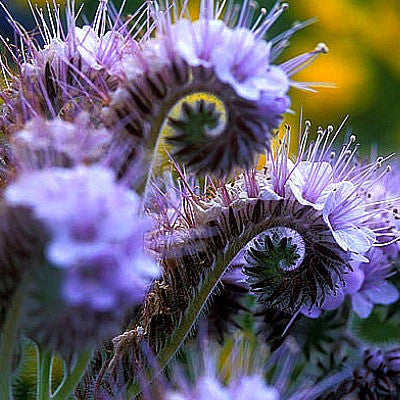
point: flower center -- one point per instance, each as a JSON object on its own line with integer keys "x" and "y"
{"x": 278, "y": 248}
{"x": 198, "y": 114}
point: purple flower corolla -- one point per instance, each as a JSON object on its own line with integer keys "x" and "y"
{"x": 253, "y": 387}
{"x": 374, "y": 289}
{"x": 96, "y": 233}
{"x": 246, "y": 387}
{"x": 48, "y": 143}
{"x": 366, "y": 284}
{"x": 311, "y": 183}
{"x": 99, "y": 50}
{"x": 238, "y": 57}
{"x": 344, "y": 213}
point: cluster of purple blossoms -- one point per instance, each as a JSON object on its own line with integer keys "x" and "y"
{"x": 96, "y": 236}
{"x": 248, "y": 386}
{"x": 186, "y": 84}
{"x": 315, "y": 235}
{"x": 67, "y": 74}
{"x": 96, "y": 241}
{"x": 90, "y": 120}
{"x": 47, "y": 143}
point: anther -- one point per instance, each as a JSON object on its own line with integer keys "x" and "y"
{"x": 321, "y": 48}
{"x": 352, "y": 138}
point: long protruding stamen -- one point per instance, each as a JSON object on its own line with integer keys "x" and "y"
{"x": 243, "y": 13}
{"x": 271, "y": 19}
{"x": 298, "y": 63}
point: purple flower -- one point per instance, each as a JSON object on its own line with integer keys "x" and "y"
{"x": 49, "y": 143}
{"x": 96, "y": 234}
{"x": 375, "y": 289}
{"x": 98, "y": 50}
{"x": 366, "y": 284}
{"x": 344, "y": 212}
{"x": 311, "y": 183}
{"x": 74, "y": 70}
{"x": 210, "y": 85}
{"x": 253, "y": 387}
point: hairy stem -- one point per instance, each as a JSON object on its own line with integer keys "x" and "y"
{"x": 7, "y": 341}
{"x": 156, "y": 139}
{"x": 45, "y": 358}
{"x": 195, "y": 308}
{"x": 71, "y": 380}
{"x": 222, "y": 264}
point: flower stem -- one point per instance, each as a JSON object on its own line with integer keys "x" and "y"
{"x": 72, "y": 379}
{"x": 222, "y": 264}
{"x": 45, "y": 358}
{"x": 7, "y": 341}
{"x": 156, "y": 142}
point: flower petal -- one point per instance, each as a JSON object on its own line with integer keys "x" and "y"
{"x": 361, "y": 306}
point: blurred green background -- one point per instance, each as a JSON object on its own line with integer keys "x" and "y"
{"x": 364, "y": 62}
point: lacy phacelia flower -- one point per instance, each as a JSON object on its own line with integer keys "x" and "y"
{"x": 95, "y": 248}
{"x": 298, "y": 243}
{"x": 49, "y": 143}
{"x": 209, "y": 85}
{"x": 324, "y": 194}
{"x": 247, "y": 387}
{"x": 367, "y": 281}
{"x": 74, "y": 68}
{"x": 367, "y": 284}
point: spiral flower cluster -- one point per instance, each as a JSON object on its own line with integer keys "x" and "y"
{"x": 208, "y": 86}
{"x": 301, "y": 226}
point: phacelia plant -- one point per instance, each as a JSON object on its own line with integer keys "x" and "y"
{"x": 145, "y": 250}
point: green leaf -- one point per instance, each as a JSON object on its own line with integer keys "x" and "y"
{"x": 377, "y": 328}
{"x": 25, "y": 377}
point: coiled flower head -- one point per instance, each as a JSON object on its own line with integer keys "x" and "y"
{"x": 377, "y": 377}
{"x": 328, "y": 213}
{"x": 301, "y": 223}
{"x": 209, "y": 85}
{"x": 95, "y": 256}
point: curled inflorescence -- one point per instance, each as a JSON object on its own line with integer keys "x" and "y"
{"x": 134, "y": 209}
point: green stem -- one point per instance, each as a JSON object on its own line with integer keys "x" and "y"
{"x": 194, "y": 309}
{"x": 152, "y": 151}
{"x": 156, "y": 138}
{"x": 72, "y": 379}
{"x": 7, "y": 341}
{"x": 44, "y": 374}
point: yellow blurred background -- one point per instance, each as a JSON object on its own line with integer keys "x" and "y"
{"x": 364, "y": 62}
